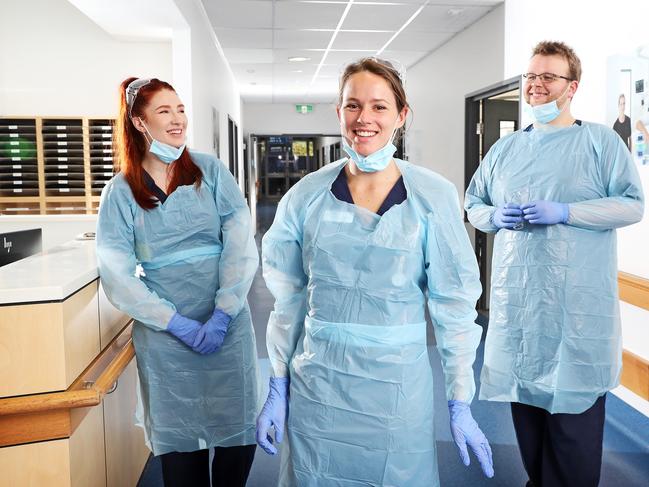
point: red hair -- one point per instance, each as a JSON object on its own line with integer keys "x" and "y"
{"x": 131, "y": 147}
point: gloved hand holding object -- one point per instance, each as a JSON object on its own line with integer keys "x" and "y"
{"x": 507, "y": 216}
{"x": 211, "y": 335}
{"x": 274, "y": 413}
{"x": 185, "y": 329}
{"x": 545, "y": 212}
{"x": 465, "y": 432}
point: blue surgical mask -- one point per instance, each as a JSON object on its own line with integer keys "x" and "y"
{"x": 376, "y": 161}
{"x": 165, "y": 152}
{"x": 547, "y": 112}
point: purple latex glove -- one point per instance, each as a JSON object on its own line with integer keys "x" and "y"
{"x": 185, "y": 329}
{"x": 465, "y": 432}
{"x": 274, "y": 413}
{"x": 545, "y": 212}
{"x": 211, "y": 335}
{"x": 507, "y": 216}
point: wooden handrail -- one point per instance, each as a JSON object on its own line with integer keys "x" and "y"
{"x": 634, "y": 289}
{"x": 88, "y": 389}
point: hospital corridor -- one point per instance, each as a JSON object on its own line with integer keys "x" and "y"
{"x": 324, "y": 243}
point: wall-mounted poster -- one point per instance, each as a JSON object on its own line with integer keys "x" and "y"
{"x": 215, "y": 131}
{"x": 627, "y": 104}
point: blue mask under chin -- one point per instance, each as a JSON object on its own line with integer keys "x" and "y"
{"x": 165, "y": 152}
{"x": 546, "y": 112}
{"x": 376, "y": 161}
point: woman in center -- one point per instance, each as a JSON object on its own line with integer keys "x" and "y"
{"x": 355, "y": 253}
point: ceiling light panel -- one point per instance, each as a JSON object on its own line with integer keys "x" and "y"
{"x": 244, "y": 14}
{"x": 248, "y": 56}
{"x": 340, "y": 58}
{"x": 297, "y": 15}
{"x": 307, "y": 68}
{"x": 419, "y": 40}
{"x": 281, "y": 56}
{"x": 288, "y": 39}
{"x": 245, "y": 38}
{"x": 356, "y": 40}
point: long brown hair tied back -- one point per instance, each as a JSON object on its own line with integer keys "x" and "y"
{"x": 131, "y": 147}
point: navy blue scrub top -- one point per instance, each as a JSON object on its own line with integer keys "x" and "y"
{"x": 153, "y": 187}
{"x": 397, "y": 194}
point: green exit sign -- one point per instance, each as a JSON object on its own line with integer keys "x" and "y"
{"x": 303, "y": 108}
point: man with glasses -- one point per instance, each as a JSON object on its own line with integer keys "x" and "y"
{"x": 554, "y": 193}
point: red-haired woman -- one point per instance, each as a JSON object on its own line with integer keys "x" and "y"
{"x": 179, "y": 217}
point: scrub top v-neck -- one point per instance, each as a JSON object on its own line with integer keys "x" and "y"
{"x": 397, "y": 195}
{"x": 154, "y": 188}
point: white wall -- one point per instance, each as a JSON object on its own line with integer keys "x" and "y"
{"x": 55, "y": 61}
{"x": 436, "y": 87}
{"x": 282, "y": 118}
{"x": 212, "y": 83}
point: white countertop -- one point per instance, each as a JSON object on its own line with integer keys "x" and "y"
{"x": 51, "y": 275}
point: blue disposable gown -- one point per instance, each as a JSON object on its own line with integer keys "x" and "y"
{"x": 197, "y": 252}
{"x": 554, "y": 338}
{"x": 349, "y": 328}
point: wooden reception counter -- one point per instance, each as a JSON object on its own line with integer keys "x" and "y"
{"x": 67, "y": 376}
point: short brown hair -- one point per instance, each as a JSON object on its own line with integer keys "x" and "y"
{"x": 554, "y": 48}
{"x": 385, "y": 70}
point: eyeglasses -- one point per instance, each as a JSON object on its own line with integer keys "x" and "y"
{"x": 544, "y": 77}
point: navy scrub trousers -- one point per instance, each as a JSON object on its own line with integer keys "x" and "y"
{"x": 560, "y": 450}
{"x": 230, "y": 467}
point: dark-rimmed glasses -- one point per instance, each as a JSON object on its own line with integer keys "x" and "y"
{"x": 544, "y": 77}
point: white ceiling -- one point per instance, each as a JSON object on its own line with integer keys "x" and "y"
{"x": 259, "y": 36}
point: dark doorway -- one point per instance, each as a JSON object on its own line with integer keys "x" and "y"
{"x": 233, "y": 148}
{"x": 490, "y": 114}
{"x": 285, "y": 159}
{"x": 246, "y": 172}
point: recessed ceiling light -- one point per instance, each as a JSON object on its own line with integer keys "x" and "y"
{"x": 253, "y": 83}
{"x": 298, "y": 59}
{"x": 250, "y": 71}
{"x": 297, "y": 71}
{"x": 454, "y": 11}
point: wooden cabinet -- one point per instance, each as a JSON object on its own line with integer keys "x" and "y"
{"x": 77, "y": 461}
{"x": 48, "y": 350}
{"x": 45, "y": 346}
{"x": 126, "y": 454}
